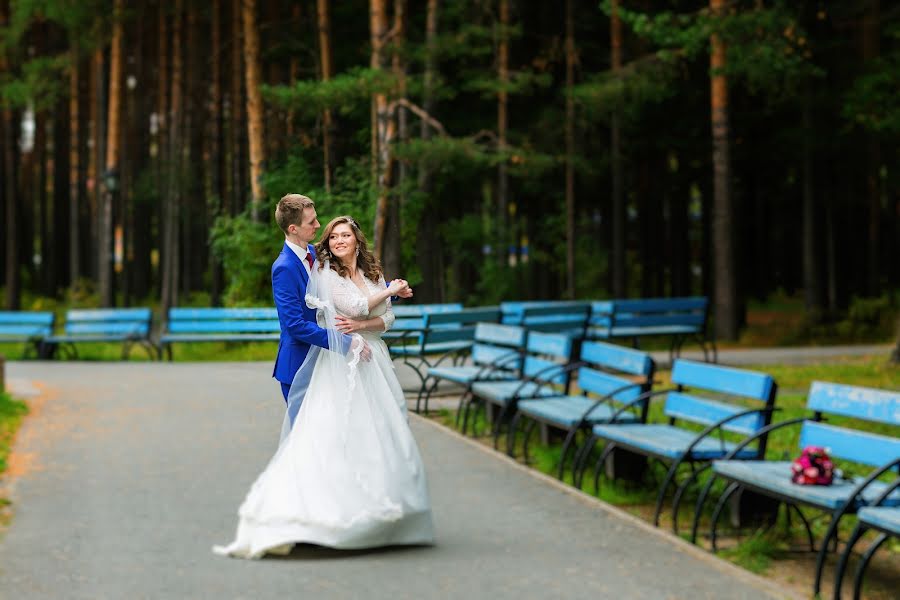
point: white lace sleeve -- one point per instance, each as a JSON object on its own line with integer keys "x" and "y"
{"x": 347, "y": 298}
{"x": 388, "y": 316}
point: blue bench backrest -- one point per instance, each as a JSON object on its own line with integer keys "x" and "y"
{"x": 494, "y": 341}
{"x": 26, "y": 324}
{"x": 571, "y": 318}
{"x": 692, "y": 406}
{"x": 411, "y": 316}
{"x": 513, "y": 311}
{"x": 608, "y": 365}
{"x": 878, "y": 406}
{"x": 458, "y": 325}
{"x": 546, "y": 350}
{"x": 223, "y": 320}
{"x": 650, "y": 312}
{"x": 112, "y": 321}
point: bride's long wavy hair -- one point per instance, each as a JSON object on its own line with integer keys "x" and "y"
{"x": 365, "y": 260}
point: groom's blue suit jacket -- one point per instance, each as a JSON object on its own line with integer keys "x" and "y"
{"x": 298, "y": 322}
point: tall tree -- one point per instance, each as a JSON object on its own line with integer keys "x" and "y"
{"x": 383, "y": 124}
{"x": 10, "y": 187}
{"x": 502, "y": 126}
{"x": 570, "y": 149}
{"x": 170, "y": 237}
{"x": 397, "y": 112}
{"x": 427, "y": 250}
{"x": 725, "y": 290}
{"x": 323, "y": 20}
{"x": 871, "y": 48}
{"x": 111, "y": 165}
{"x": 215, "y": 192}
{"x": 254, "y": 103}
{"x": 615, "y": 150}
{"x": 74, "y": 168}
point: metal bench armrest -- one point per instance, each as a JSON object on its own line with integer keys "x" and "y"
{"x": 606, "y": 399}
{"x": 498, "y": 363}
{"x": 645, "y": 396}
{"x": 714, "y": 426}
{"x": 764, "y": 431}
{"x": 534, "y": 378}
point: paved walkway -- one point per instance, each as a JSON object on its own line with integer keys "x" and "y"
{"x": 129, "y": 472}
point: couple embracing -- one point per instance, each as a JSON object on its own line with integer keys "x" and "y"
{"x": 347, "y": 472}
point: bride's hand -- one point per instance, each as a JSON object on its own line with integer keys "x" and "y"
{"x": 347, "y": 325}
{"x": 397, "y": 286}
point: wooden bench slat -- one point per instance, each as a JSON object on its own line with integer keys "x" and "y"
{"x": 617, "y": 357}
{"x": 854, "y": 401}
{"x": 725, "y": 380}
{"x": 850, "y": 444}
{"x": 689, "y": 407}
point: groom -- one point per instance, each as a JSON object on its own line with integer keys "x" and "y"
{"x": 300, "y": 335}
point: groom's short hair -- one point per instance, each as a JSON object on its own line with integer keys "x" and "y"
{"x": 290, "y": 210}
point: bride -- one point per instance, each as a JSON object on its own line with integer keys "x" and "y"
{"x": 347, "y": 472}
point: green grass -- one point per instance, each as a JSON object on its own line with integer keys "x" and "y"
{"x": 11, "y": 413}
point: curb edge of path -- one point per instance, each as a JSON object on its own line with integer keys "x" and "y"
{"x": 721, "y": 564}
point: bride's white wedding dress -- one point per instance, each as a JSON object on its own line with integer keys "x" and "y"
{"x": 348, "y": 473}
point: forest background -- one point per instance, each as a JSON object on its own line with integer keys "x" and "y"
{"x": 495, "y": 150}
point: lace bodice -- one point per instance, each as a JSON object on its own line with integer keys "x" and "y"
{"x": 350, "y": 301}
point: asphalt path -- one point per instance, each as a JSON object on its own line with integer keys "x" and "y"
{"x": 125, "y": 474}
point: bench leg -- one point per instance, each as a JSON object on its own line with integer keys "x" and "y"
{"x": 864, "y": 562}
{"x": 529, "y": 428}
{"x": 599, "y": 465}
{"x": 723, "y": 500}
{"x": 661, "y": 496}
{"x": 567, "y": 444}
{"x": 511, "y": 435}
{"x": 839, "y": 571}
{"x": 823, "y": 551}
{"x": 698, "y": 507}
{"x": 581, "y": 459}
{"x": 806, "y": 525}
{"x": 679, "y": 493}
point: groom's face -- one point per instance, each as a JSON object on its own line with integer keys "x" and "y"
{"x": 309, "y": 225}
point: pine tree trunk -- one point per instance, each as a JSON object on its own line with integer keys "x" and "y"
{"x": 236, "y": 107}
{"x": 615, "y": 147}
{"x": 111, "y": 164}
{"x": 254, "y": 104}
{"x": 570, "y": 151}
{"x": 215, "y": 192}
{"x": 811, "y": 264}
{"x": 12, "y": 283}
{"x": 725, "y": 293}
{"x": 428, "y": 251}
{"x": 393, "y": 225}
{"x": 871, "y": 48}
{"x": 171, "y": 253}
{"x": 325, "y": 58}
{"x": 383, "y": 126}
{"x": 502, "y": 124}
{"x": 74, "y": 171}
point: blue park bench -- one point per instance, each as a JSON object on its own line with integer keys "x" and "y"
{"x": 608, "y": 376}
{"x": 219, "y": 325}
{"x": 681, "y": 319}
{"x": 546, "y": 371}
{"x": 772, "y": 479}
{"x": 29, "y": 328}
{"x": 409, "y": 320}
{"x": 552, "y": 316}
{"x": 130, "y": 326}
{"x": 445, "y": 336}
{"x": 709, "y": 396}
{"x": 883, "y": 519}
{"x": 496, "y": 356}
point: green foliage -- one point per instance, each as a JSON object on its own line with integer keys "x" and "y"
{"x": 767, "y": 49}
{"x": 40, "y": 83}
{"x": 246, "y": 249}
{"x": 871, "y": 102}
{"x": 344, "y": 92}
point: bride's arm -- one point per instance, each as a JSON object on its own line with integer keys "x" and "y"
{"x": 385, "y": 293}
{"x": 380, "y": 323}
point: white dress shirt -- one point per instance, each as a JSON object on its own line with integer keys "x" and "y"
{"x": 301, "y": 253}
